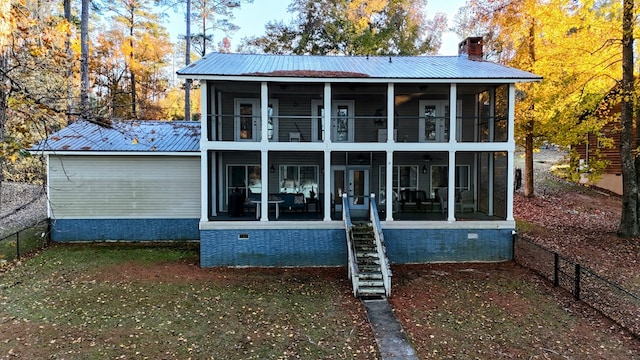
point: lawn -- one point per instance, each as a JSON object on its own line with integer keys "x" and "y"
{"x": 99, "y": 302}
{"x": 134, "y": 301}
{"x": 22, "y": 241}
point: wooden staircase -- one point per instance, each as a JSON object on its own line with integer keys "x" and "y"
{"x": 370, "y": 281}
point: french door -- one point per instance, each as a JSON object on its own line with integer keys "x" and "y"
{"x": 355, "y": 182}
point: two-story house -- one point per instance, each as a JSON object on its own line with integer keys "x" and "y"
{"x": 421, "y": 147}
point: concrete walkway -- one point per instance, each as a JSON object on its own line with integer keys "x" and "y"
{"x": 392, "y": 341}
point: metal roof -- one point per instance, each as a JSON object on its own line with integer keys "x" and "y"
{"x": 221, "y": 65}
{"x": 125, "y": 136}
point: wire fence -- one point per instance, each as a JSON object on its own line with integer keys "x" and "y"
{"x": 611, "y": 299}
{"x": 24, "y": 241}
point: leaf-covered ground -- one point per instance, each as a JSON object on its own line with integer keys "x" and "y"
{"x": 580, "y": 224}
{"x": 500, "y": 311}
{"x": 93, "y": 302}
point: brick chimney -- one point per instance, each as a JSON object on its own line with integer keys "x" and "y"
{"x": 472, "y": 47}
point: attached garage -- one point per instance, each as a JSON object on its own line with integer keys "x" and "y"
{"x": 104, "y": 186}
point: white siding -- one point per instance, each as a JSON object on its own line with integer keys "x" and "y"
{"x": 108, "y": 187}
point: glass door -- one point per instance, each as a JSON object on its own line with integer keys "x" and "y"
{"x": 358, "y": 189}
{"x": 342, "y": 121}
{"x": 317, "y": 124}
{"x": 247, "y": 119}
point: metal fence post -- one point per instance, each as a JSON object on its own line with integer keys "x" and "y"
{"x": 556, "y": 266}
{"x": 577, "y": 283}
{"x": 18, "y": 245}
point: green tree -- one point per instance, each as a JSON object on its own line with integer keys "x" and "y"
{"x": 138, "y": 21}
{"x": 356, "y": 27}
{"x": 212, "y": 15}
{"x": 33, "y": 95}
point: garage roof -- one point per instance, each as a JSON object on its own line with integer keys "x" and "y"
{"x": 125, "y": 136}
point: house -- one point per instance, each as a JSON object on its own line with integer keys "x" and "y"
{"x": 593, "y": 147}
{"x": 294, "y": 152}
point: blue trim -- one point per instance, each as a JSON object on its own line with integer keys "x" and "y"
{"x": 406, "y": 246}
{"x": 67, "y": 230}
{"x": 273, "y": 247}
{"x": 327, "y": 247}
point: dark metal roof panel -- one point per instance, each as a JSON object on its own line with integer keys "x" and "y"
{"x": 401, "y": 67}
{"x": 125, "y": 136}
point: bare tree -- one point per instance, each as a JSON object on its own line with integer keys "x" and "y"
{"x": 5, "y": 13}
{"x": 187, "y": 61}
{"x": 84, "y": 61}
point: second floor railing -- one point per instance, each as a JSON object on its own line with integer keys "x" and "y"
{"x": 356, "y": 129}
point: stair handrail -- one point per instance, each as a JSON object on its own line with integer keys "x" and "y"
{"x": 351, "y": 252}
{"x": 385, "y": 266}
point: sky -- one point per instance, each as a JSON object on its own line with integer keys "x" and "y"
{"x": 252, "y": 17}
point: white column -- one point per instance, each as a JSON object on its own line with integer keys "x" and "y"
{"x": 207, "y": 195}
{"x": 264, "y": 158}
{"x": 327, "y": 113}
{"x": 390, "y": 110}
{"x": 492, "y": 114}
{"x": 510, "y": 153}
{"x": 264, "y": 111}
{"x": 326, "y": 201}
{"x": 389, "y": 155}
{"x": 48, "y": 162}
{"x": 451, "y": 187}
{"x": 326, "y": 120}
{"x": 264, "y": 196}
{"x": 453, "y": 108}
{"x": 389, "y": 185}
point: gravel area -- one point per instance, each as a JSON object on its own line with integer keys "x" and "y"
{"x": 21, "y": 205}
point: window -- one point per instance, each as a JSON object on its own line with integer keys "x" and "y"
{"x": 299, "y": 179}
{"x": 272, "y": 120}
{"x": 244, "y": 177}
{"x": 440, "y": 178}
{"x": 404, "y": 178}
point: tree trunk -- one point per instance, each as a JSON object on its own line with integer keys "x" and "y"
{"x": 84, "y": 61}
{"x": 528, "y": 161}
{"x": 629, "y": 218}
{"x": 187, "y": 82}
{"x": 132, "y": 74}
{"x": 529, "y": 190}
{"x": 3, "y": 109}
{"x": 69, "y": 75}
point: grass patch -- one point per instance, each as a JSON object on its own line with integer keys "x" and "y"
{"x": 525, "y": 226}
{"x": 155, "y": 302}
{"x": 97, "y": 302}
{"x": 27, "y": 240}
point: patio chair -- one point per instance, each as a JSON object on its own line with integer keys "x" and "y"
{"x": 466, "y": 201}
{"x": 442, "y": 196}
